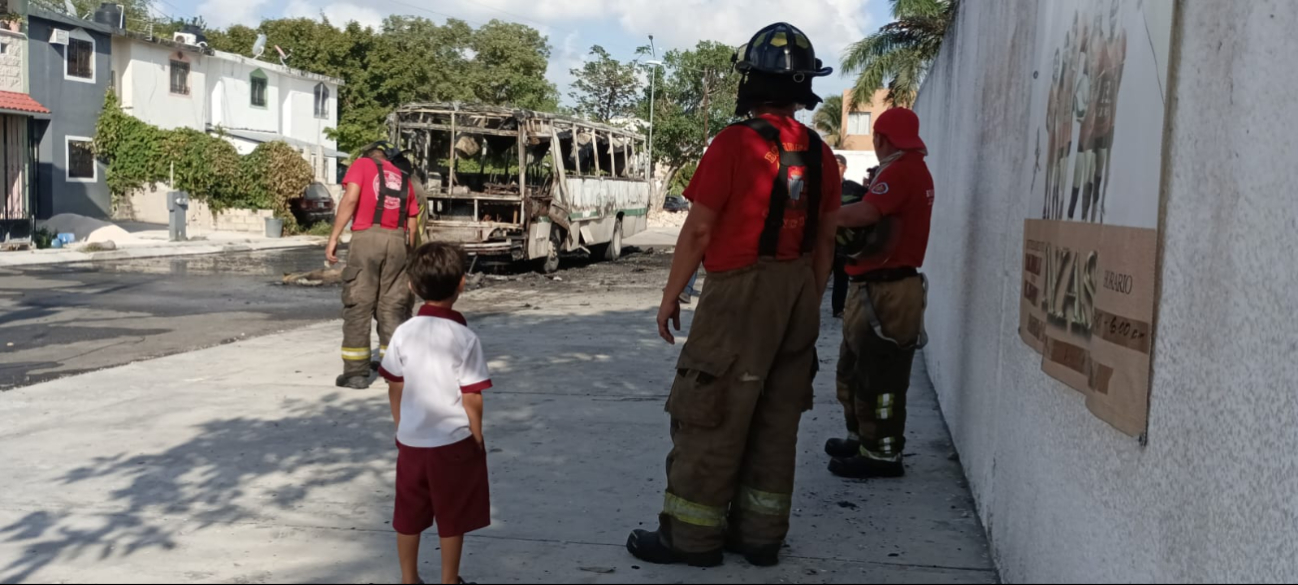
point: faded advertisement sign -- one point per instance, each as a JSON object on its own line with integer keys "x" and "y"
{"x": 1090, "y": 243}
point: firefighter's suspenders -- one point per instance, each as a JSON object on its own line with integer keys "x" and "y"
{"x": 384, "y": 193}
{"x": 811, "y": 161}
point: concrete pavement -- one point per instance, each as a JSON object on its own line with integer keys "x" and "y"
{"x": 57, "y": 320}
{"x": 241, "y": 463}
{"x": 212, "y": 243}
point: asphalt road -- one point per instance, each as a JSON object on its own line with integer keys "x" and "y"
{"x": 61, "y": 320}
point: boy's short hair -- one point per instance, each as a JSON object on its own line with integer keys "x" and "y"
{"x": 436, "y": 270}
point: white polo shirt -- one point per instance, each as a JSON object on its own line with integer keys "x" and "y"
{"x": 440, "y": 360}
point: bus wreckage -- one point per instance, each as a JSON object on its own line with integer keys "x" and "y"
{"x": 522, "y": 185}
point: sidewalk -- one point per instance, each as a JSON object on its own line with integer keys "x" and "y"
{"x": 154, "y": 243}
{"x": 242, "y": 463}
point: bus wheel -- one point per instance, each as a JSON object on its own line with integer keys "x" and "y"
{"x": 550, "y": 264}
{"x": 613, "y": 249}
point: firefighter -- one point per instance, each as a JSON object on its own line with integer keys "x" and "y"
{"x": 884, "y": 324}
{"x": 852, "y": 192}
{"x": 384, "y": 218}
{"x": 766, "y": 198}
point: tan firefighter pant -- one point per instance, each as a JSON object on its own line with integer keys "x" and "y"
{"x": 374, "y": 287}
{"x": 874, "y": 369}
{"x": 743, "y": 381}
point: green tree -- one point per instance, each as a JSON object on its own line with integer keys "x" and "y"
{"x": 829, "y": 120}
{"x": 898, "y": 56}
{"x": 694, "y": 100}
{"x": 137, "y": 11}
{"x": 605, "y": 88}
{"x": 508, "y": 67}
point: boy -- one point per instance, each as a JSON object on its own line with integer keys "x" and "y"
{"x": 436, "y": 374}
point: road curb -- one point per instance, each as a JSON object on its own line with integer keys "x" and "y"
{"x": 47, "y": 257}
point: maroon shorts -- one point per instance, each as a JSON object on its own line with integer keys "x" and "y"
{"x": 446, "y": 484}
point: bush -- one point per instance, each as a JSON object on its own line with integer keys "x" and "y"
{"x": 207, "y": 167}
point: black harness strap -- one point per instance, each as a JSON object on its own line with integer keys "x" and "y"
{"x": 810, "y": 160}
{"x": 380, "y": 206}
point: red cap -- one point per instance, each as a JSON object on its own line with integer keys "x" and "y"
{"x": 901, "y": 127}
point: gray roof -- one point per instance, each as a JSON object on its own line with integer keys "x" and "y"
{"x": 263, "y": 137}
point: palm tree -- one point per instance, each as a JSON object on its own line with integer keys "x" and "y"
{"x": 829, "y": 120}
{"x": 899, "y": 55}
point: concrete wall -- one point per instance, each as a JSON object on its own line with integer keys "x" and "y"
{"x": 13, "y": 62}
{"x": 1065, "y": 497}
{"x": 75, "y": 107}
{"x": 150, "y": 206}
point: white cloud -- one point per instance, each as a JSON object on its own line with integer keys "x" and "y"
{"x": 339, "y": 13}
{"x": 567, "y": 55}
{"x": 223, "y": 13}
{"x": 831, "y": 24}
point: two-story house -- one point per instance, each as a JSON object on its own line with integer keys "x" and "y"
{"x": 18, "y": 113}
{"x": 857, "y": 141}
{"x": 253, "y": 102}
{"x": 70, "y": 74}
{"x": 181, "y": 83}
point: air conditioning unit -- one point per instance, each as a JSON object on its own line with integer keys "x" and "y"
{"x": 185, "y": 39}
{"x": 59, "y": 37}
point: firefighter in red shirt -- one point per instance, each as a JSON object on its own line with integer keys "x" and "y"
{"x": 381, "y": 205}
{"x": 884, "y": 323}
{"x": 766, "y": 198}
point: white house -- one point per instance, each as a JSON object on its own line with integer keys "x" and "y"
{"x": 173, "y": 84}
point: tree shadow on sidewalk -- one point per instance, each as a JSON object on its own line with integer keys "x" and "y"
{"x": 265, "y": 467}
{"x": 207, "y": 481}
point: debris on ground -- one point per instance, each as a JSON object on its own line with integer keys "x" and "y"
{"x": 322, "y": 277}
{"x": 848, "y": 506}
{"x": 105, "y": 246}
{"x": 87, "y": 229}
{"x": 599, "y": 570}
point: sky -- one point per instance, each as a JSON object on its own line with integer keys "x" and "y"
{"x": 573, "y": 26}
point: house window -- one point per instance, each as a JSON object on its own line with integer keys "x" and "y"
{"x": 259, "y": 86}
{"x": 80, "y": 56}
{"x": 321, "y": 101}
{"x": 858, "y": 124}
{"x": 81, "y": 160}
{"x": 180, "y": 77}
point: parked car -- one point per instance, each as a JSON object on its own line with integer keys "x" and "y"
{"x": 314, "y": 205}
{"x": 676, "y": 203}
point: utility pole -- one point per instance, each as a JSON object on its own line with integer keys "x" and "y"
{"x": 654, "y": 63}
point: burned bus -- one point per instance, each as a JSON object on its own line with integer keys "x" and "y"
{"x": 525, "y": 186}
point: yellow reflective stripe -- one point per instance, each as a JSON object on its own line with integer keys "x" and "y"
{"x": 692, "y": 513}
{"x": 765, "y": 502}
{"x": 356, "y": 353}
{"x": 883, "y": 414}
{"x": 885, "y": 400}
{"x": 885, "y": 453}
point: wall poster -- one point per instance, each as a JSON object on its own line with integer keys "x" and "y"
{"x": 1090, "y": 243}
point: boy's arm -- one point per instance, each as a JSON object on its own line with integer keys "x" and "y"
{"x": 473, "y": 406}
{"x": 395, "y": 390}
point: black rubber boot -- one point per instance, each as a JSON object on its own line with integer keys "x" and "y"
{"x": 757, "y": 556}
{"x": 353, "y": 382}
{"x": 648, "y": 547}
{"x": 865, "y": 468}
{"x": 843, "y": 448}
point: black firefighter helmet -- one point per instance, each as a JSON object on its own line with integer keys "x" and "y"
{"x": 865, "y": 242}
{"x": 778, "y": 65}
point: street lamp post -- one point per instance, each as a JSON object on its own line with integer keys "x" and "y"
{"x": 654, "y": 63}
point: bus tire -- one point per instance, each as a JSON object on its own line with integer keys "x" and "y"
{"x": 611, "y": 251}
{"x": 550, "y": 264}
